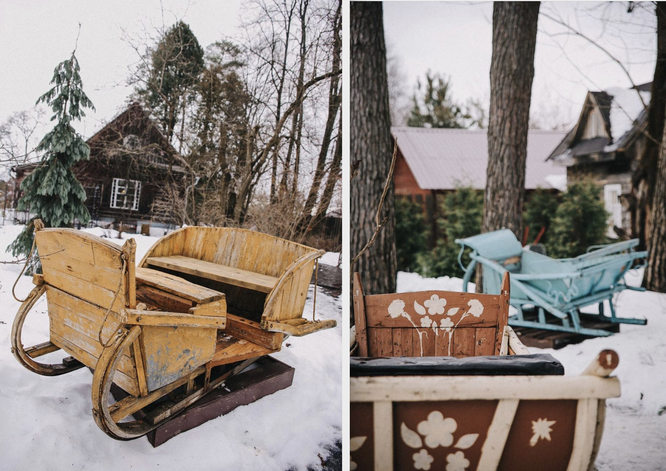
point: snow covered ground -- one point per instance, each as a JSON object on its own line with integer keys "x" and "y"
{"x": 46, "y": 422}
{"x": 635, "y": 433}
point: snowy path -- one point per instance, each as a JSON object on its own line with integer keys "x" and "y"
{"x": 46, "y": 422}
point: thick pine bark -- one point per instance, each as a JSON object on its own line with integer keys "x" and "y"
{"x": 511, "y": 74}
{"x": 371, "y": 149}
{"x": 644, "y": 180}
{"x": 655, "y": 272}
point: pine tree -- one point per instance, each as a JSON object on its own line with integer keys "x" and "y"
{"x": 580, "y": 221}
{"x": 51, "y": 191}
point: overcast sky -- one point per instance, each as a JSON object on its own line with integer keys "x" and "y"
{"x": 455, "y": 38}
{"x": 38, "y": 34}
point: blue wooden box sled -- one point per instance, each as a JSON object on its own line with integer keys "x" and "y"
{"x": 557, "y": 287}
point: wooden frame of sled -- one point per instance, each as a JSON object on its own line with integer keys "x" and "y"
{"x": 427, "y": 415}
{"x": 495, "y": 422}
{"x": 203, "y": 305}
{"x": 559, "y": 287}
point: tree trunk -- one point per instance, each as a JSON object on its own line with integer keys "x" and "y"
{"x": 511, "y": 74}
{"x": 655, "y": 272}
{"x": 644, "y": 179}
{"x": 334, "y": 174}
{"x": 371, "y": 149}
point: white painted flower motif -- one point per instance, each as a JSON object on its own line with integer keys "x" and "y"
{"x": 422, "y": 460}
{"x": 426, "y": 322}
{"x": 446, "y": 324}
{"x": 453, "y": 311}
{"x": 396, "y": 308}
{"x": 435, "y": 305}
{"x": 355, "y": 444}
{"x": 475, "y": 307}
{"x": 437, "y": 430}
{"x": 457, "y": 461}
{"x": 541, "y": 429}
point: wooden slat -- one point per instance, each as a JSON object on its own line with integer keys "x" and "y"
{"x": 41, "y": 349}
{"x": 85, "y": 290}
{"x": 398, "y": 348}
{"x": 463, "y": 343}
{"x": 71, "y": 334}
{"x": 170, "y": 319}
{"x": 162, "y": 300}
{"x": 493, "y": 447}
{"x": 445, "y": 388}
{"x": 130, "y": 405}
{"x": 383, "y": 434}
{"x": 245, "y": 329}
{"x": 382, "y": 341}
{"x": 442, "y": 344}
{"x": 230, "y": 350}
{"x": 176, "y": 285}
{"x": 224, "y": 274}
{"x": 126, "y": 382}
{"x": 77, "y": 245}
{"x": 584, "y": 436}
{"x": 299, "y": 327}
{"x": 485, "y": 342}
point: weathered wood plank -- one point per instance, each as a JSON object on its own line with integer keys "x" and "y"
{"x": 162, "y": 300}
{"x": 172, "y": 352}
{"x": 175, "y": 285}
{"x": 171, "y": 319}
{"x": 120, "y": 377}
{"x": 85, "y": 290}
{"x": 225, "y": 274}
{"x": 485, "y": 342}
{"x": 41, "y": 349}
{"x": 231, "y": 350}
{"x": 251, "y": 331}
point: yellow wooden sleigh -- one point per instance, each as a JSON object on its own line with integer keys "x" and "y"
{"x": 203, "y": 304}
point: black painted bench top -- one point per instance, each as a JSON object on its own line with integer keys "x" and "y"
{"x": 513, "y": 365}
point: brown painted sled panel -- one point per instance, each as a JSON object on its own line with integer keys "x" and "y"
{"x": 541, "y": 436}
{"x": 361, "y": 430}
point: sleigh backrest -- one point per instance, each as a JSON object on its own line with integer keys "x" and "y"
{"x": 88, "y": 281}
{"x": 285, "y": 268}
{"x": 430, "y": 323}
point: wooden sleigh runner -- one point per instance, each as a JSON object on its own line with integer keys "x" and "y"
{"x": 466, "y": 394}
{"x": 203, "y": 305}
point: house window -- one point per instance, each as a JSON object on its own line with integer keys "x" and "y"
{"x": 614, "y": 207}
{"x": 125, "y": 194}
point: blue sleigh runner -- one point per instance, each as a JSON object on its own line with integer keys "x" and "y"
{"x": 559, "y": 287}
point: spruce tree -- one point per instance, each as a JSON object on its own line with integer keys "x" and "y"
{"x": 51, "y": 192}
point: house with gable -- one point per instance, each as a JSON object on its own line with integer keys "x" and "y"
{"x": 431, "y": 163}
{"x": 131, "y": 169}
{"x": 605, "y": 145}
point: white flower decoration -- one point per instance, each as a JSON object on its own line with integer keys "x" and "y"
{"x": 422, "y": 460}
{"x": 396, "y": 308}
{"x": 355, "y": 444}
{"x": 437, "y": 430}
{"x": 446, "y": 324}
{"x": 435, "y": 305}
{"x": 475, "y": 307}
{"x": 457, "y": 461}
{"x": 426, "y": 322}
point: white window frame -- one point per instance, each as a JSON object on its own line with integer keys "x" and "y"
{"x": 125, "y": 194}
{"x": 613, "y": 205}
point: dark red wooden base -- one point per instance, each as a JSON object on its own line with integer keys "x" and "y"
{"x": 268, "y": 376}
